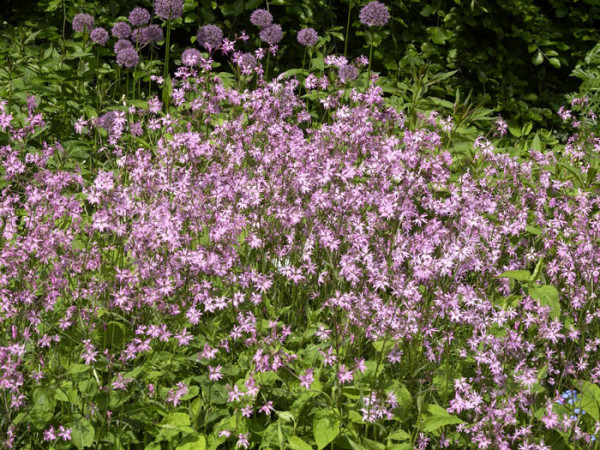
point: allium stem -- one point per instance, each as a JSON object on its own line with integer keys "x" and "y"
{"x": 348, "y": 28}
{"x": 168, "y": 45}
{"x": 370, "y": 58}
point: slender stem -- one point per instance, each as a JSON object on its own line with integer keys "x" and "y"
{"x": 348, "y": 29}
{"x": 267, "y": 66}
{"x": 167, "y": 49}
{"x": 370, "y": 58}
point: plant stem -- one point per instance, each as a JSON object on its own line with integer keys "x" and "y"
{"x": 347, "y": 29}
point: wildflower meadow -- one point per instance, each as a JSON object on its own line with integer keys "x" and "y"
{"x": 250, "y": 225}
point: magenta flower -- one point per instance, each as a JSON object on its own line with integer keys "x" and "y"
{"x": 243, "y": 440}
{"x": 215, "y": 373}
{"x": 210, "y": 37}
{"x": 64, "y": 433}
{"x": 82, "y": 22}
{"x": 348, "y": 73}
{"x": 271, "y": 34}
{"x": 121, "y": 30}
{"x": 99, "y": 36}
{"x": 307, "y": 379}
{"x": 345, "y": 375}
{"x": 128, "y": 57}
{"x": 261, "y": 18}
{"x": 374, "y": 14}
{"x": 168, "y": 9}
{"x": 307, "y": 37}
{"x": 122, "y": 44}
{"x": 139, "y": 16}
{"x": 152, "y": 34}
{"x": 190, "y": 57}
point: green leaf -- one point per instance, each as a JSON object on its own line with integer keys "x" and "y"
{"x": 295, "y": 443}
{"x": 538, "y": 58}
{"x": 193, "y": 443}
{"x": 519, "y": 275}
{"x": 590, "y": 399}
{"x": 326, "y": 427}
{"x": 438, "y": 417}
{"x": 400, "y": 435}
{"x": 547, "y": 296}
{"x": 177, "y": 419}
{"x": 83, "y": 432}
{"x": 555, "y": 62}
{"x": 533, "y": 230}
{"x": 76, "y": 369}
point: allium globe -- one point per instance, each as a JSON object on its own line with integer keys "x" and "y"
{"x": 210, "y": 36}
{"x": 136, "y": 37}
{"x": 151, "y": 34}
{"x": 99, "y": 36}
{"x": 139, "y": 16}
{"x": 128, "y": 57}
{"x": 122, "y": 44}
{"x": 271, "y": 34}
{"x": 121, "y": 30}
{"x": 261, "y": 18}
{"x": 246, "y": 62}
{"x": 347, "y": 73}
{"x": 307, "y": 37}
{"x": 374, "y": 14}
{"x": 190, "y": 57}
{"x": 82, "y": 22}
{"x": 168, "y": 9}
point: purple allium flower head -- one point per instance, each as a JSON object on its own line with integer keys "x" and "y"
{"x": 308, "y": 37}
{"x": 271, "y": 34}
{"x": 99, "y": 36}
{"x": 190, "y": 57}
{"x": 137, "y": 37}
{"x": 121, "y": 30}
{"x": 122, "y": 44}
{"x": 348, "y": 73}
{"x": 374, "y": 14}
{"x": 261, "y": 18}
{"x": 82, "y": 22}
{"x": 152, "y": 34}
{"x": 139, "y": 16}
{"x": 106, "y": 120}
{"x": 210, "y": 36}
{"x": 247, "y": 61}
{"x": 168, "y": 9}
{"x": 128, "y": 57}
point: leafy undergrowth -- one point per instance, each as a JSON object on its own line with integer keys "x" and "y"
{"x": 294, "y": 264}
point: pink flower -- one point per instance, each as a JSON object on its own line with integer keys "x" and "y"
{"x": 344, "y": 375}
{"x": 215, "y": 373}
{"x": 307, "y": 379}
{"x": 64, "y": 433}
{"x": 243, "y": 440}
{"x": 267, "y": 408}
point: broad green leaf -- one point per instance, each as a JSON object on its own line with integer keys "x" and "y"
{"x": 547, "y": 296}
{"x": 538, "y": 58}
{"x": 76, "y": 369}
{"x": 83, "y": 432}
{"x": 519, "y": 275}
{"x": 193, "y": 443}
{"x": 400, "y": 435}
{"x": 295, "y": 443}
{"x": 590, "y": 399}
{"x": 326, "y": 427}
{"x": 438, "y": 417}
